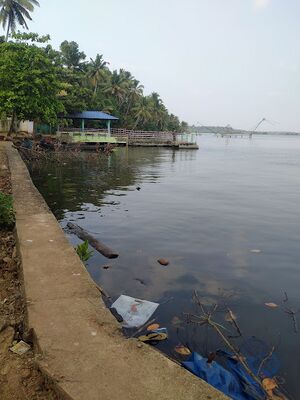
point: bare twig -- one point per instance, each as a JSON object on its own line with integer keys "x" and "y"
{"x": 196, "y": 297}
{"x": 206, "y": 318}
{"x": 265, "y": 360}
{"x": 235, "y": 324}
{"x": 292, "y": 314}
{"x": 239, "y": 357}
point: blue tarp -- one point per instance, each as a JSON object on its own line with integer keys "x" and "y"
{"x": 255, "y": 351}
{"x": 235, "y": 381}
{"x": 215, "y": 375}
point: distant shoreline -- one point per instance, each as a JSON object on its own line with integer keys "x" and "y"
{"x": 231, "y": 131}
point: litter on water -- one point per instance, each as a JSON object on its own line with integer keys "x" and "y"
{"x": 215, "y": 375}
{"x": 182, "y": 350}
{"x": 135, "y": 312}
{"x": 153, "y": 337}
{"x": 152, "y": 327}
{"x": 235, "y": 381}
{"x": 160, "y": 330}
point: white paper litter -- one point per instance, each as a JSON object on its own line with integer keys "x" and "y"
{"x": 20, "y": 348}
{"x": 135, "y": 312}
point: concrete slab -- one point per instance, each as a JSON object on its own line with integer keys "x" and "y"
{"x": 82, "y": 346}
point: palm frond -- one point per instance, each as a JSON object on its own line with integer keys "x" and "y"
{"x": 20, "y": 18}
{"x": 16, "y": 11}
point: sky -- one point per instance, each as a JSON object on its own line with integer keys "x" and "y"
{"x": 214, "y": 62}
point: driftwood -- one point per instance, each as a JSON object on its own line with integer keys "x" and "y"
{"x": 84, "y": 235}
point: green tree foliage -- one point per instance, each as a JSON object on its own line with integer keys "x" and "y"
{"x": 71, "y": 56}
{"x": 13, "y": 12}
{"x": 96, "y": 71}
{"x": 38, "y": 83}
{"x": 30, "y": 83}
{"x": 91, "y": 85}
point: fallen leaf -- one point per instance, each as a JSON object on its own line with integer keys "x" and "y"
{"x": 271, "y": 305}
{"x": 163, "y": 261}
{"x": 273, "y": 396}
{"x": 176, "y": 321}
{"x": 184, "y": 351}
{"x": 152, "y": 327}
{"x": 269, "y": 384}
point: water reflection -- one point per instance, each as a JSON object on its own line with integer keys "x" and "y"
{"x": 77, "y": 184}
{"x": 204, "y": 211}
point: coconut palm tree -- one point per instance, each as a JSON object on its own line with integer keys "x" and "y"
{"x": 135, "y": 92}
{"x": 97, "y": 70}
{"x": 142, "y": 111}
{"x": 156, "y": 100}
{"x": 117, "y": 86}
{"x": 15, "y": 12}
{"x": 160, "y": 112}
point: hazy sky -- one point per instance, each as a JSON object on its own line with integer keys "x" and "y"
{"x": 212, "y": 61}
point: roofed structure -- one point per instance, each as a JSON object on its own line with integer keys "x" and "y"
{"x": 91, "y": 115}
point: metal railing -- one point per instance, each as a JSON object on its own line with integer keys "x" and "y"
{"x": 132, "y": 136}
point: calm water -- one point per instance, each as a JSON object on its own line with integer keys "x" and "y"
{"x": 204, "y": 211}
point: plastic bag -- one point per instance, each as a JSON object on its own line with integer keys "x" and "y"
{"x": 135, "y": 312}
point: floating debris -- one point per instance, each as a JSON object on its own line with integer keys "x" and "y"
{"x": 163, "y": 261}
{"x": 153, "y": 337}
{"x": 182, "y": 350}
{"x": 153, "y": 327}
{"x": 271, "y": 305}
{"x": 95, "y": 243}
{"x": 140, "y": 281}
{"x": 176, "y": 321}
{"x": 135, "y": 312}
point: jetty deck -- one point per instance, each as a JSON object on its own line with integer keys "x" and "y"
{"x": 125, "y": 137}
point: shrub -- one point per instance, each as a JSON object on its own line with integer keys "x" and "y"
{"x": 7, "y": 214}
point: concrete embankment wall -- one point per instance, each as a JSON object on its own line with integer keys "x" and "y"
{"x": 81, "y": 343}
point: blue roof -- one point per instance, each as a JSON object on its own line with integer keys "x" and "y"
{"x": 95, "y": 115}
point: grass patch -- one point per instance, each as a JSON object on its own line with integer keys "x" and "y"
{"x": 7, "y": 214}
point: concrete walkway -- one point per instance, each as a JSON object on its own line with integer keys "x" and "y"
{"x": 82, "y": 346}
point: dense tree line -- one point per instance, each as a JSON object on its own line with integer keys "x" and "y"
{"x": 91, "y": 85}
{"x": 39, "y": 82}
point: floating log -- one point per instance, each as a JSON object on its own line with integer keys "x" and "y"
{"x": 96, "y": 244}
